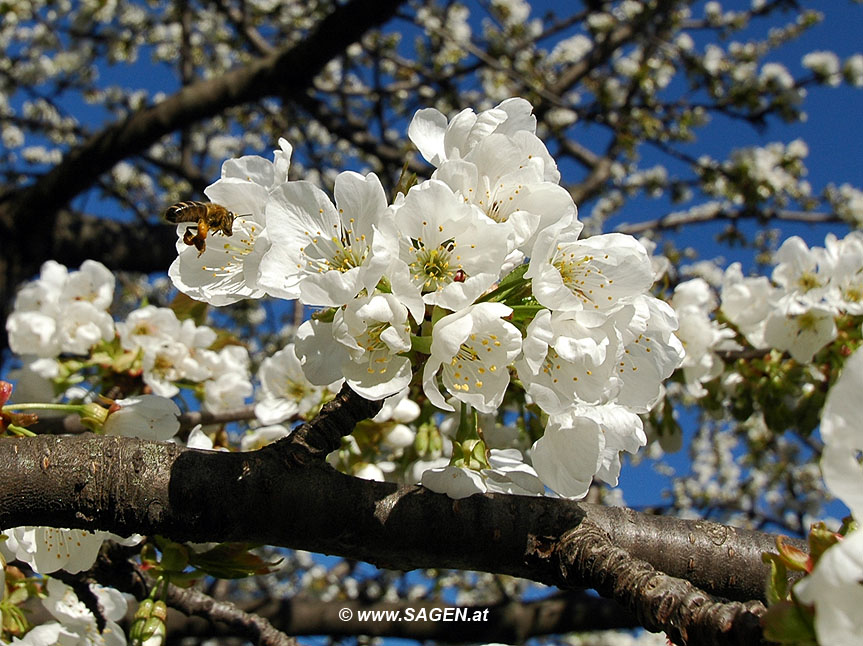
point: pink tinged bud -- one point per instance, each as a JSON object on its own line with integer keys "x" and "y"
{"x": 5, "y": 392}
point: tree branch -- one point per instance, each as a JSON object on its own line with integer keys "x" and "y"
{"x": 323, "y": 435}
{"x": 677, "y": 220}
{"x": 258, "y": 629}
{"x": 113, "y": 568}
{"x": 510, "y": 622}
{"x": 126, "y": 485}
{"x": 288, "y": 70}
{"x": 661, "y": 602}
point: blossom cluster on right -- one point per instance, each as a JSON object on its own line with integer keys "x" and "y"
{"x": 794, "y": 311}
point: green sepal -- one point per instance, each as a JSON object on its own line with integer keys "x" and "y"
{"x": 777, "y": 582}
{"x": 421, "y": 344}
{"x": 793, "y": 558}
{"x": 786, "y": 623}
{"x": 513, "y": 286}
{"x": 820, "y": 539}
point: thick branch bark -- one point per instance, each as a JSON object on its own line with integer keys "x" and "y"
{"x": 123, "y": 246}
{"x": 127, "y": 485}
{"x": 661, "y": 602}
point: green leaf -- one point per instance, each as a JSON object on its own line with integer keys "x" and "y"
{"x": 232, "y": 561}
{"x": 175, "y": 557}
{"x": 185, "y": 307}
{"x": 511, "y": 285}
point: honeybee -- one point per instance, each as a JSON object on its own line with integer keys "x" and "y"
{"x": 207, "y": 216}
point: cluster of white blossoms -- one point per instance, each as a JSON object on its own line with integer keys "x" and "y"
{"x": 468, "y": 279}
{"x": 796, "y": 311}
{"x": 176, "y": 352}
{"x": 750, "y": 175}
{"x": 73, "y": 623}
{"x": 793, "y": 311}
{"x": 65, "y": 313}
{"x": 701, "y": 335}
{"x": 62, "y": 312}
{"x": 63, "y": 318}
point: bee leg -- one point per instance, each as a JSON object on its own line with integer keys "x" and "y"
{"x": 200, "y": 239}
{"x": 189, "y": 237}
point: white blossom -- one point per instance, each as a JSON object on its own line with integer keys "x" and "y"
{"x": 747, "y": 302}
{"x": 320, "y": 357}
{"x": 455, "y": 482}
{"x": 570, "y": 357}
{"x": 325, "y": 254}
{"x": 843, "y": 436}
{"x": 513, "y": 180}
{"x": 472, "y": 349}
{"x": 47, "y": 549}
{"x": 285, "y": 390}
{"x": 597, "y": 273}
{"x": 834, "y": 587}
{"x": 376, "y": 332}
{"x": 62, "y": 311}
{"x": 568, "y": 454}
{"x": 439, "y": 139}
{"x": 509, "y": 473}
{"x": 148, "y": 417}
{"x": 825, "y": 66}
{"x": 228, "y": 269}
{"x": 651, "y": 351}
{"x": 835, "y": 590}
{"x": 852, "y": 70}
{"x": 801, "y": 335}
{"x": 262, "y": 436}
{"x": 452, "y": 250}
{"x": 693, "y": 301}
{"x": 79, "y": 626}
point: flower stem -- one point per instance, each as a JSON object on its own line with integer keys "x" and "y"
{"x": 69, "y": 408}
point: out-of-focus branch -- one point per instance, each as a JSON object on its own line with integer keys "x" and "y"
{"x": 511, "y": 622}
{"x": 290, "y": 70}
{"x": 251, "y": 625}
{"x": 356, "y": 133}
{"x": 676, "y": 220}
{"x": 113, "y": 569}
{"x": 253, "y": 37}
